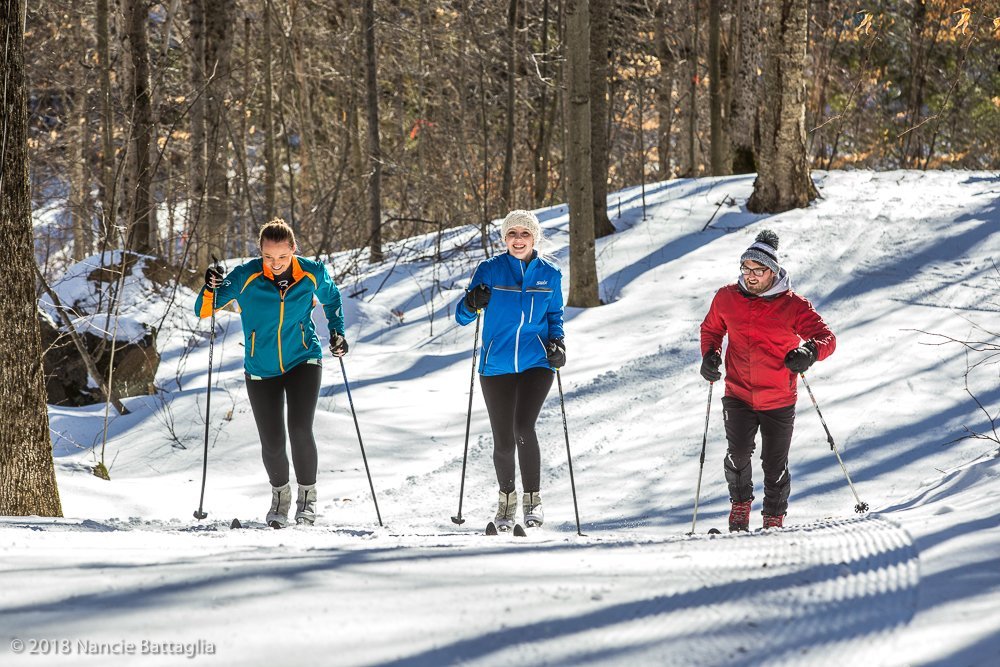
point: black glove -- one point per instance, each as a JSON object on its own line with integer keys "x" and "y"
{"x": 338, "y": 344}
{"x": 710, "y": 366}
{"x": 213, "y": 277}
{"x": 801, "y": 358}
{"x": 477, "y": 297}
{"x": 555, "y": 352}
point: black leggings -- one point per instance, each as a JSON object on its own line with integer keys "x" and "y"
{"x": 267, "y": 399}
{"x": 513, "y": 402}
{"x": 742, "y": 424}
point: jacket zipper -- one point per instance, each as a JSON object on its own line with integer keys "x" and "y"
{"x": 303, "y": 328}
{"x": 281, "y": 323}
{"x": 517, "y": 334}
{"x": 486, "y": 357}
{"x": 253, "y": 340}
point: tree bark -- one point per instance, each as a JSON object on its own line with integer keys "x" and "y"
{"x": 143, "y": 218}
{"x": 219, "y": 24}
{"x": 108, "y": 179}
{"x": 374, "y": 143}
{"x": 508, "y": 155}
{"x": 720, "y": 166}
{"x": 692, "y": 56}
{"x": 27, "y": 476}
{"x": 270, "y": 165}
{"x": 79, "y": 211}
{"x": 196, "y": 171}
{"x": 743, "y": 107}
{"x": 600, "y": 15}
{"x": 583, "y": 291}
{"x": 664, "y": 87}
{"x": 540, "y": 161}
{"x": 783, "y": 180}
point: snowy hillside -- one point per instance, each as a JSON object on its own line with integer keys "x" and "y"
{"x": 894, "y": 262}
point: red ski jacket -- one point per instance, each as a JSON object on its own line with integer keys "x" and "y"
{"x": 761, "y": 332}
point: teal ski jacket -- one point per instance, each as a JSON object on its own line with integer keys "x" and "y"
{"x": 278, "y": 329}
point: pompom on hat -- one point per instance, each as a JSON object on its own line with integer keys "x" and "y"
{"x": 764, "y": 251}
{"x": 524, "y": 219}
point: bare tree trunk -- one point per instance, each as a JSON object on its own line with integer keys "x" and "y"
{"x": 539, "y": 162}
{"x": 720, "y": 166}
{"x": 27, "y": 477}
{"x": 664, "y": 87}
{"x": 783, "y": 181}
{"x": 143, "y": 219}
{"x": 219, "y": 28}
{"x": 508, "y": 156}
{"x": 692, "y": 56}
{"x": 79, "y": 209}
{"x": 918, "y": 75}
{"x": 583, "y": 291}
{"x": 374, "y": 143}
{"x": 108, "y": 179}
{"x": 600, "y": 15}
{"x": 270, "y": 165}
{"x": 196, "y": 174}
{"x": 743, "y": 108}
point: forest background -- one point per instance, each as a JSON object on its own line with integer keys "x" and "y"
{"x": 177, "y": 128}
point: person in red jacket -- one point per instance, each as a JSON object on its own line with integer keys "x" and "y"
{"x": 774, "y": 335}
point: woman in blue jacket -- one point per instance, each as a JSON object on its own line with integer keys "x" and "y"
{"x": 520, "y": 294}
{"x": 283, "y": 357}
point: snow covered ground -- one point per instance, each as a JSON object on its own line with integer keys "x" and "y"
{"x": 889, "y": 259}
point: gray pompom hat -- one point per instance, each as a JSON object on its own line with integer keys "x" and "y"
{"x": 764, "y": 251}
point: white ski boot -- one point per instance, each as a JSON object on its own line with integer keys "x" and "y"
{"x": 305, "y": 505}
{"x": 281, "y": 500}
{"x": 533, "y": 515}
{"x": 506, "y": 511}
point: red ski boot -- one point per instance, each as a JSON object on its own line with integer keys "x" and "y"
{"x": 739, "y": 517}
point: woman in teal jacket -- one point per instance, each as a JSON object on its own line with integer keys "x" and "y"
{"x": 520, "y": 293}
{"x": 282, "y": 361}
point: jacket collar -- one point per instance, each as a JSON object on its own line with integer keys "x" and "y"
{"x": 514, "y": 261}
{"x": 297, "y": 272}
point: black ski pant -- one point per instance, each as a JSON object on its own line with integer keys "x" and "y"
{"x": 513, "y": 402}
{"x": 297, "y": 388}
{"x": 775, "y": 426}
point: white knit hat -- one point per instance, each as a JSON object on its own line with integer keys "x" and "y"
{"x": 524, "y": 219}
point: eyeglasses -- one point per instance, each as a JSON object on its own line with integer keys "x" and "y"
{"x": 746, "y": 270}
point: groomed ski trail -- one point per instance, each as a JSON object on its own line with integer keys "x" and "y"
{"x": 832, "y": 592}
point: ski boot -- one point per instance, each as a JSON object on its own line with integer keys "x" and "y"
{"x": 532, "y": 506}
{"x": 506, "y": 511}
{"x": 739, "y": 517}
{"x": 773, "y": 520}
{"x": 281, "y": 500}
{"x": 305, "y": 505}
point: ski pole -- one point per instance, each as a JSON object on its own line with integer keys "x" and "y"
{"x": 354, "y": 414}
{"x": 200, "y": 513}
{"x": 701, "y": 466}
{"x": 457, "y": 519}
{"x": 569, "y": 457}
{"x": 861, "y": 507}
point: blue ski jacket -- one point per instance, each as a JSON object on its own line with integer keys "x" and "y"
{"x": 278, "y": 329}
{"x": 525, "y": 312}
